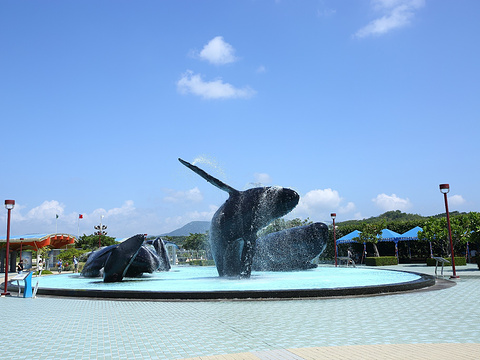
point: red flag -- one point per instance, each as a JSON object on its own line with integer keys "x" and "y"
{"x": 80, "y": 216}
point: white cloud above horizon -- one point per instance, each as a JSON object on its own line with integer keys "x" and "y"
{"x": 191, "y": 83}
{"x": 456, "y": 200}
{"x": 320, "y": 203}
{"x": 46, "y": 210}
{"x": 395, "y": 14}
{"x": 192, "y": 195}
{"x": 391, "y": 202}
{"x": 127, "y": 220}
{"x": 218, "y": 52}
{"x": 262, "y": 179}
{"x": 123, "y": 221}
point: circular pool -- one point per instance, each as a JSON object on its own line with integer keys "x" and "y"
{"x": 203, "y": 283}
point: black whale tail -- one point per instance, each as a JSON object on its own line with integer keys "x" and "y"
{"x": 212, "y": 180}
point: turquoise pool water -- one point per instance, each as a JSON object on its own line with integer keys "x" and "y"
{"x": 190, "y": 278}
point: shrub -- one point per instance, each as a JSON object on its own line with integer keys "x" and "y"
{"x": 459, "y": 261}
{"x": 381, "y": 261}
{"x": 44, "y": 272}
{"x": 202, "y": 262}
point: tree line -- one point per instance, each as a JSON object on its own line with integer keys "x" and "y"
{"x": 465, "y": 228}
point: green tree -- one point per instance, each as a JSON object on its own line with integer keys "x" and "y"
{"x": 67, "y": 255}
{"x": 90, "y": 242}
{"x": 435, "y": 230}
{"x": 474, "y": 227}
{"x": 371, "y": 233}
{"x": 196, "y": 242}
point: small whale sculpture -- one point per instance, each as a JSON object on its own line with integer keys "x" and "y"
{"x": 131, "y": 258}
{"x": 291, "y": 249}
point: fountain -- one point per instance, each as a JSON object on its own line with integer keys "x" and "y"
{"x": 203, "y": 283}
{"x": 278, "y": 265}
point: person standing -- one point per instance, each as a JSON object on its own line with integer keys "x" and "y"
{"x": 39, "y": 267}
{"x": 20, "y": 267}
{"x": 75, "y": 264}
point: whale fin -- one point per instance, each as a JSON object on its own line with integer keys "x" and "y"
{"x": 212, "y": 180}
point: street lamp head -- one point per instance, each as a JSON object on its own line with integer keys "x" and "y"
{"x": 444, "y": 188}
{"x": 333, "y": 215}
{"x": 9, "y": 204}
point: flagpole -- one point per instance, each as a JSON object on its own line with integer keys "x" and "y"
{"x": 56, "y": 224}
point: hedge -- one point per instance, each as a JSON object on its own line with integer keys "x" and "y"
{"x": 381, "y": 261}
{"x": 201, "y": 262}
{"x": 459, "y": 261}
{"x": 44, "y": 272}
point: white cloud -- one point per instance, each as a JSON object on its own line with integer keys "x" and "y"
{"x": 200, "y": 215}
{"x": 391, "y": 202}
{"x": 327, "y": 198}
{"x": 456, "y": 200}
{"x": 47, "y": 211}
{"x": 218, "y": 52}
{"x": 42, "y": 219}
{"x": 261, "y": 69}
{"x": 319, "y": 204}
{"x": 176, "y": 222}
{"x": 262, "y": 178}
{"x": 122, "y": 221}
{"x": 326, "y": 12}
{"x": 126, "y": 209}
{"x": 396, "y": 14}
{"x": 216, "y": 89}
{"x": 192, "y": 195}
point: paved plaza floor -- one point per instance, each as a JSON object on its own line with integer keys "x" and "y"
{"x": 416, "y": 325}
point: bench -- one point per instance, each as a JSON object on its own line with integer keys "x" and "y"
{"x": 27, "y": 278}
{"x": 441, "y": 260}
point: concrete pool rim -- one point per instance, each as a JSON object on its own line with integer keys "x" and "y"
{"x": 424, "y": 281}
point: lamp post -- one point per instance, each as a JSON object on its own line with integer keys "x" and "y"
{"x": 333, "y": 215}
{"x": 21, "y": 248}
{"x": 9, "y": 205}
{"x": 100, "y": 231}
{"x": 444, "y": 189}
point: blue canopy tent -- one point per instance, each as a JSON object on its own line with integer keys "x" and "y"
{"x": 386, "y": 235}
{"x": 349, "y": 237}
{"x": 389, "y": 235}
{"x": 411, "y": 234}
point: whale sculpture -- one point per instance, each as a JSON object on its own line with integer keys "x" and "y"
{"x": 121, "y": 257}
{"x": 290, "y": 249}
{"x": 234, "y": 226}
{"x": 152, "y": 257}
{"x": 96, "y": 261}
{"x": 131, "y": 258}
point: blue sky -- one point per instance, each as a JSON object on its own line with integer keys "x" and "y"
{"x": 360, "y": 106}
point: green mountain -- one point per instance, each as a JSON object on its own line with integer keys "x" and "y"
{"x": 194, "y": 227}
{"x": 395, "y": 215}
